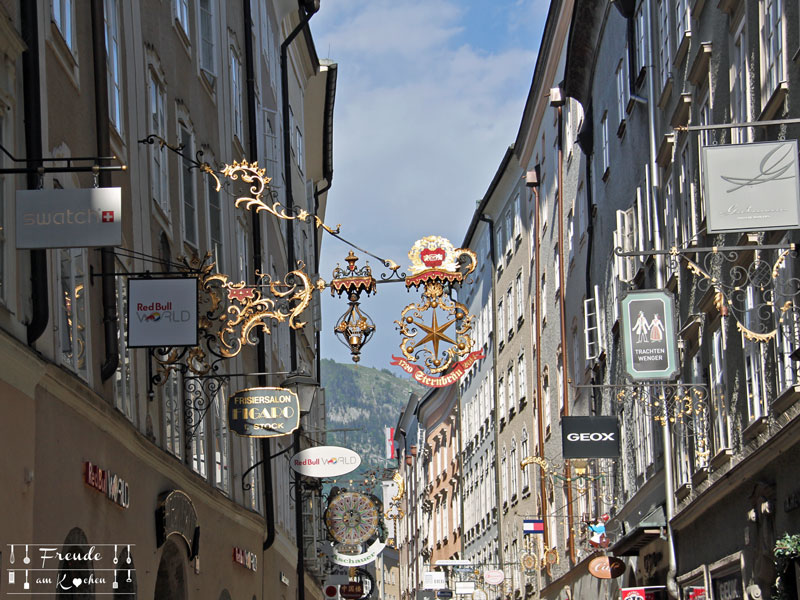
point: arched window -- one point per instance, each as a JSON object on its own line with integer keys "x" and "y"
{"x": 171, "y": 578}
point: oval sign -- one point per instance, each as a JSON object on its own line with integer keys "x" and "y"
{"x": 494, "y": 576}
{"x": 325, "y": 461}
{"x": 604, "y": 567}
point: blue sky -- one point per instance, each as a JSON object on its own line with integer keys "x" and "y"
{"x": 430, "y": 94}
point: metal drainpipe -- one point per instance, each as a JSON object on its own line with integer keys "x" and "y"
{"x": 108, "y": 285}
{"x": 538, "y": 334}
{"x": 32, "y": 93}
{"x": 261, "y": 346}
{"x": 498, "y": 508}
{"x": 305, "y": 17}
{"x": 563, "y": 317}
{"x": 655, "y": 184}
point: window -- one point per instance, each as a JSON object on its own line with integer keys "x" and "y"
{"x": 719, "y": 405}
{"x": 207, "y": 39}
{"x": 664, "y": 54}
{"x": 560, "y": 380}
{"x": 215, "y": 224}
{"x": 704, "y": 116}
{"x": 688, "y": 204}
{"x": 625, "y": 238}
{"x": 300, "y": 150}
{"x": 788, "y": 325}
{"x": 591, "y": 326}
{"x": 518, "y": 216}
{"x": 512, "y": 390}
{"x": 754, "y": 360}
{"x": 771, "y": 47}
{"x": 622, "y": 88}
{"x": 197, "y": 431}
{"x": 544, "y": 299}
{"x": 63, "y": 17}
{"x": 501, "y": 243}
{"x": 546, "y": 399}
{"x": 524, "y": 453}
{"x": 504, "y": 477}
{"x": 557, "y": 267}
{"x": 501, "y": 322}
{"x": 641, "y": 40}
{"x": 522, "y": 378}
{"x": 739, "y": 85}
{"x": 182, "y": 15}
{"x": 173, "y": 414}
{"x": 188, "y": 187}
{"x": 250, "y": 456}
{"x": 159, "y": 187}
{"x": 514, "y": 466}
{"x": 511, "y": 309}
{"x": 501, "y": 405}
{"x": 236, "y": 96}
{"x": 123, "y": 378}
{"x": 73, "y": 335}
{"x": 113, "y": 63}
{"x": 570, "y": 236}
{"x": 520, "y": 296}
{"x": 509, "y": 232}
{"x": 604, "y": 165}
{"x": 682, "y": 19}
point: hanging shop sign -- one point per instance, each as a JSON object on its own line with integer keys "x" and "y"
{"x": 464, "y": 587}
{"x": 176, "y": 515}
{"x": 69, "y": 218}
{"x": 162, "y": 312}
{"x": 325, "y": 461}
{"x": 493, "y": 576}
{"x": 432, "y": 353}
{"x": 641, "y": 593}
{"x": 247, "y": 559}
{"x": 606, "y": 567}
{"x": 650, "y": 335}
{"x": 695, "y": 592}
{"x": 751, "y": 187}
{"x": 590, "y": 437}
{"x": 728, "y": 586}
{"x": 110, "y": 484}
{"x": 434, "y": 580}
{"x": 263, "y": 412}
{"x": 352, "y": 590}
{"x": 444, "y": 594}
{"x": 358, "y": 560}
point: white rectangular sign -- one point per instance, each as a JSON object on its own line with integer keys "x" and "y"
{"x": 751, "y": 187}
{"x": 465, "y": 587}
{"x": 162, "y": 312}
{"x": 433, "y": 580}
{"x": 81, "y": 218}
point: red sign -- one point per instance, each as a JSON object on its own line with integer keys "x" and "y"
{"x": 637, "y": 594}
{"x": 697, "y": 593}
{"x": 351, "y": 591}
{"x": 245, "y": 558}
{"x": 331, "y": 591}
{"x": 436, "y": 382}
{"x": 432, "y": 257}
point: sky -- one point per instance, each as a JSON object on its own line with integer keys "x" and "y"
{"x": 429, "y": 95}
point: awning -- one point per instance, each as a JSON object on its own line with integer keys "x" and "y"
{"x": 648, "y": 529}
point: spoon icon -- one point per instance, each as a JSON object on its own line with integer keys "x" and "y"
{"x": 11, "y": 558}
{"x": 116, "y": 560}
{"x": 128, "y": 560}
{"x": 26, "y": 560}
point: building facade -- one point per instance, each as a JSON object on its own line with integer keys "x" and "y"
{"x": 162, "y": 87}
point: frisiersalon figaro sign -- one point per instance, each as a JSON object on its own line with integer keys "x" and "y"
{"x": 69, "y": 218}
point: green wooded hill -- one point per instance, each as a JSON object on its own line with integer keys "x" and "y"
{"x": 366, "y": 400}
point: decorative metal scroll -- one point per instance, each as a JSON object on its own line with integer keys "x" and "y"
{"x": 760, "y": 294}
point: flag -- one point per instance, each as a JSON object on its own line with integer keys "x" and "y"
{"x": 532, "y": 526}
{"x": 390, "y": 454}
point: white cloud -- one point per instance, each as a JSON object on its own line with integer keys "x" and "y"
{"x": 421, "y": 123}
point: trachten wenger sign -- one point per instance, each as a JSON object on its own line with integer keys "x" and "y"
{"x": 263, "y": 412}
{"x": 751, "y": 187}
{"x": 649, "y": 335}
{"x": 325, "y": 461}
{"x": 69, "y": 218}
{"x": 590, "y": 437}
{"x": 162, "y": 312}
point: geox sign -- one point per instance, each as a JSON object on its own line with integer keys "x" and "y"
{"x": 590, "y": 437}
{"x": 78, "y": 218}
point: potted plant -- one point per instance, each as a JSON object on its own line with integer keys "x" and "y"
{"x": 787, "y": 551}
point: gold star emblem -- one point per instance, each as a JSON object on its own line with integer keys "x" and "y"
{"x": 435, "y": 334}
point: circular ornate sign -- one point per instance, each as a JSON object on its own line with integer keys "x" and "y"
{"x": 352, "y": 518}
{"x": 604, "y": 567}
{"x": 494, "y": 576}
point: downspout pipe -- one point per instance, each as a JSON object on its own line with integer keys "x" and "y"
{"x": 493, "y": 250}
{"x": 261, "y": 347}
{"x": 102, "y": 132}
{"x": 32, "y": 104}
{"x": 307, "y": 10}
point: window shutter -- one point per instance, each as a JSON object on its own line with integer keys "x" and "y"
{"x": 590, "y": 329}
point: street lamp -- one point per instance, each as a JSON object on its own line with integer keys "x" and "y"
{"x": 305, "y": 386}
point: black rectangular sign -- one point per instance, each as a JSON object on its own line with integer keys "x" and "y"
{"x": 590, "y": 437}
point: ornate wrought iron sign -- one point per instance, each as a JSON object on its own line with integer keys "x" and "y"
{"x": 263, "y": 412}
{"x": 435, "y": 267}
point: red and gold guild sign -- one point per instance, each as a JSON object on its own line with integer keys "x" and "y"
{"x": 435, "y": 266}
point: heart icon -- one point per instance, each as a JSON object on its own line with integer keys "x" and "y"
{"x": 77, "y": 582}
{"x": 432, "y": 257}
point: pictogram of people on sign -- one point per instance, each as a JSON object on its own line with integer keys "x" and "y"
{"x": 648, "y": 331}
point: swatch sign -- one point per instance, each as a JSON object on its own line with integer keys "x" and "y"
{"x": 325, "y": 461}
